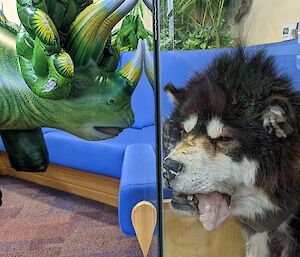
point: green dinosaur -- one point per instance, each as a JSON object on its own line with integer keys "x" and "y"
{"x": 58, "y": 69}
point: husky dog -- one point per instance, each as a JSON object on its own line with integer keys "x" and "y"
{"x": 233, "y": 149}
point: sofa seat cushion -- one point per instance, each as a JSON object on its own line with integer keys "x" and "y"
{"x": 2, "y": 148}
{"x": 102, "y": 157}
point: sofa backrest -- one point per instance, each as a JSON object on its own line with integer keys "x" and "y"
{"x": 178, "y": 66}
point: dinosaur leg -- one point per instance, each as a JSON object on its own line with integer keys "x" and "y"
{"x": 26, "y": 149}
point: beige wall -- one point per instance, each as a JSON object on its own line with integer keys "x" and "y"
{"x": 9, "y": 7}
{"x": 265, "y": 21}
{"x": 10, "y": 11}
{"x": 148, "y": 18}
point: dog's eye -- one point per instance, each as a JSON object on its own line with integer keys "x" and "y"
{"x": 224, "y": 139}
{"x": 183, "y": 132}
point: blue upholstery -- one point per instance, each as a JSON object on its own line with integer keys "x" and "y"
{"x": 131, "y": 156}
{"x": 2, "y": 148}
{"x": 47, "y": 130}
{"x": 149, "y": 133}
{"x": 178, "y": 66}
{"x": 138, "y": 182}
{"x": 102, "y": 157}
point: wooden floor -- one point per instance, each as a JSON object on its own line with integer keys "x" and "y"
{"x": 185, "y": 237}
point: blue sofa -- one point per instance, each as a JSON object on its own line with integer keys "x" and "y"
{"x": 130, "y": 157}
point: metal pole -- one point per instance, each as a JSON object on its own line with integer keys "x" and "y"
{"x": 158, "y": 115}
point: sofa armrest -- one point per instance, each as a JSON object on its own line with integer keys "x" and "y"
{"x": 138, "y": 183}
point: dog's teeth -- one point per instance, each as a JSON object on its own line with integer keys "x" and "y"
{"x": 190, "y": 198}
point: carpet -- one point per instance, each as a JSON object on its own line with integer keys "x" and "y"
{"x": 37, "y": 221}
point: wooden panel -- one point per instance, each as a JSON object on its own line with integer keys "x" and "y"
{"x": 185, "y": 237}
{"x": 88, "y": 185}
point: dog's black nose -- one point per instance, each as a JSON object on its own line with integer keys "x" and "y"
{"x": 172, "y": 169}
{"x": 173, "y": 165}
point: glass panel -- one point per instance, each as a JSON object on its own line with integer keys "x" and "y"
{"x": 227, "y": 130}
{"x": 76, "y": 69}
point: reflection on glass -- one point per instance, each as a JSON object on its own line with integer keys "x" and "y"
{"x": 229, "y": 116}
{"x": 82, "y": 70}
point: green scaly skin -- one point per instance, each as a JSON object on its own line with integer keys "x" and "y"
{"x": 86, "y": 97}
{"x": 90, "y": 104}
{"x": 97, "y": 99}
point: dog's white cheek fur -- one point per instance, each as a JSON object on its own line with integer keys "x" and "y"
{"x": 202, "y": 174}
{"x": 257, "y": 245}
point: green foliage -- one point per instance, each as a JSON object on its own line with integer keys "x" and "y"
{"x": 199, "y": 24}
{"x": 132, "y": 29}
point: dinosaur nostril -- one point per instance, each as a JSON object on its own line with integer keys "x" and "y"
{"x": 111, "y": 101}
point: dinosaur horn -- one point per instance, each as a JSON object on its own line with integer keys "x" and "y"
{"x": 82, "y": 36}
{"x": 148, "y": 63}
{"x": 106, "y": 27}
{"x": 132, "y": 71}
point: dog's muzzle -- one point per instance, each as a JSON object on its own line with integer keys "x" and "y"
{"x": 172, "y": 169}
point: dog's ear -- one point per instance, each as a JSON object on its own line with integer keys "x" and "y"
{"x": 175, "y": 95}
{"x": 279, "y": 118}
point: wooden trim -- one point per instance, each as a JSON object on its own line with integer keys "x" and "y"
{"x": 144, "y": 217}
{"x": 92, "y": 186}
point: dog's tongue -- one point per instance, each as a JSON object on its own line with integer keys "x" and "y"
{"x": 213, "y": 210}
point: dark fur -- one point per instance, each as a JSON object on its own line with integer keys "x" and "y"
{"x": 241, "y": 88}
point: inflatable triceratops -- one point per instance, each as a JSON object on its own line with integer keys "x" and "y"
{"x": 59, "y": 69}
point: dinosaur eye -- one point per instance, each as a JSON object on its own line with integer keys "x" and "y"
{"x": 111, "y": 101}
{"x": 80, "y": 84}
